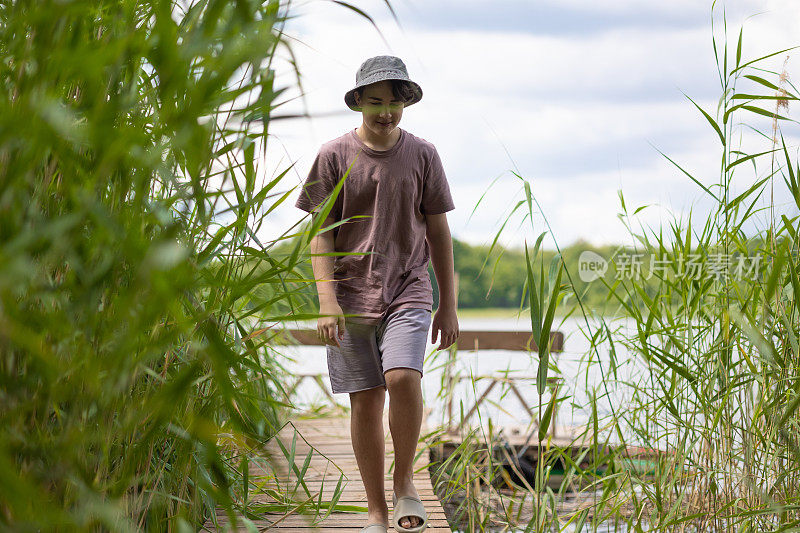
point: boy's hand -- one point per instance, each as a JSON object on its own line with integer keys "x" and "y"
{"x": 446, "y": 321}
{"x": 327, "y": 325}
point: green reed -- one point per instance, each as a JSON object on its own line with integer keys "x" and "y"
{"x": 134, "y": 382}
{"x": 716, "y": 397}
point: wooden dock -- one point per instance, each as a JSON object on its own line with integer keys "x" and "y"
{"x": 312, "y": 454}
{"x": 331, "y": 459}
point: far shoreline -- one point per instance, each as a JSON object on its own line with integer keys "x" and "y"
{"x": 514, "y": 312}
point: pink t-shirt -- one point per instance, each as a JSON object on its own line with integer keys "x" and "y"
{"x": 392, "y": 191}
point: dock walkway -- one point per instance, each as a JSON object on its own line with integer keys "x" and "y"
{"x": 329, "y": 438}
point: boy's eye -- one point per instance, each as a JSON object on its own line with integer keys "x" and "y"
{"x": 392, "y": 106}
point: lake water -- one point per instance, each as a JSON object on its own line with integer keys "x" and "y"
{"x": 577, "y": 366}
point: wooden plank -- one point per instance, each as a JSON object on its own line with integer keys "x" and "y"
{"x": 334, "y": 520}
{"x": 263, "y": 525}
{"x": 328, "y": 441}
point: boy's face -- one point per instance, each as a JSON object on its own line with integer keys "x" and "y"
{"x": 381, "y": 109}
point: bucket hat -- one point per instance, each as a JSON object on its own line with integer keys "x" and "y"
{"x": 381, "y": 68}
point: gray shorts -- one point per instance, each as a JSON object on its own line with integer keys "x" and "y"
{"x": 367, "y": 351}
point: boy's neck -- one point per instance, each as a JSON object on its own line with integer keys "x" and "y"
{"x": 378, "y": 142}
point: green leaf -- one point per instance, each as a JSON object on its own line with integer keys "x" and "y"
{"x": 748, "y": 158}
{"x": 764, "y": 112}
{"x": 544, "y": 337}
{"x": 739, "y": 48}
{"x": 763, "y": 82}
{"x": 709, "y": 119}
{"x": 782, "y": 98}
{"x": 740, "y": 67}
{"x": 689, "y": 176}
{"x": 244, "y": 465}
{"x": 544, "y": 425}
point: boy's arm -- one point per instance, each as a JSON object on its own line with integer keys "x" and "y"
{"x": 330, "y": 326}
{"x": 440, "y": 243}
{"x": 322, "y": 265}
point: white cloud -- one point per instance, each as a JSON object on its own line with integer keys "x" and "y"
{"x": 576, "y": 113}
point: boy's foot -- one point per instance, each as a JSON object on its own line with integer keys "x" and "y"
{"x": 407, "y": 490}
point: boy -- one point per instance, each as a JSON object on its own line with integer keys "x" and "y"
{"x": 397, "y": 190}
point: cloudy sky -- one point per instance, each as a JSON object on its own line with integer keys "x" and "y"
{"x": 575, "y": 96}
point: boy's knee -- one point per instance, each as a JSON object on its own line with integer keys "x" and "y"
{"x": 401, "y": 378}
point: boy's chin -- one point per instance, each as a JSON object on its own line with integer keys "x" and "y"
{"x": 384, "y": 129}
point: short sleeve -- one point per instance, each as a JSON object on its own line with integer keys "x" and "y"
{"x": 436, "y": 196}
{"x": 319, "y": 184}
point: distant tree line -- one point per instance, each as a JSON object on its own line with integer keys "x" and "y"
{"x": 495, "y": 278}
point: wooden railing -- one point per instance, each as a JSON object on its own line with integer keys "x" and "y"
{"x": 467, "y": 340}
{"x": 496, "y": 340}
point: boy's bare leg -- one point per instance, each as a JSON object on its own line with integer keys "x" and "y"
{"x": 366, "y": 433}
{"x": 405, "y": 418}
